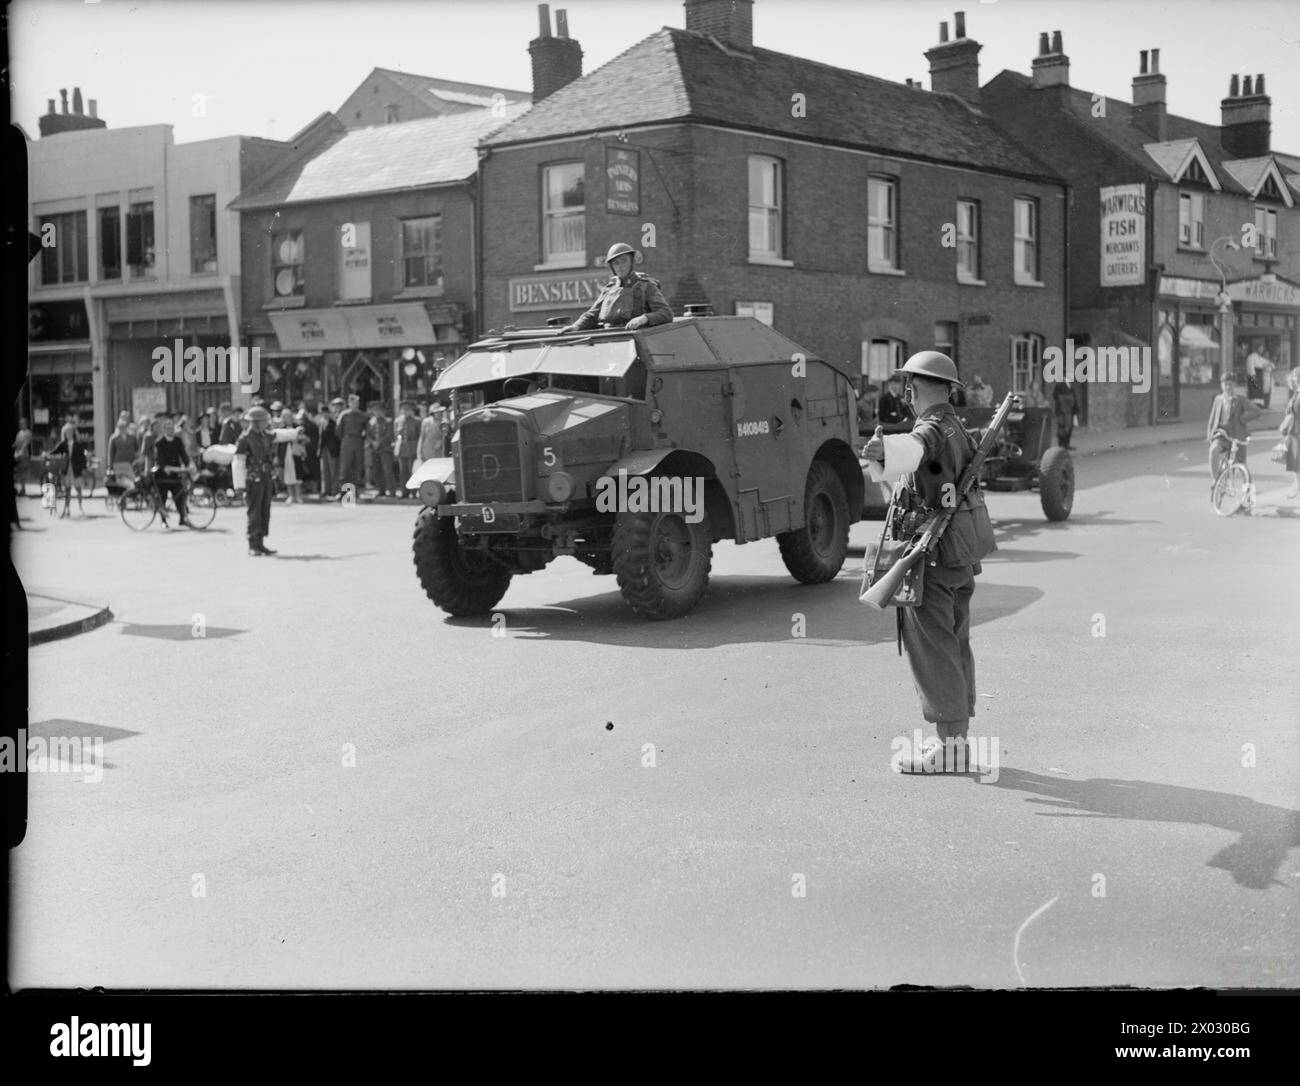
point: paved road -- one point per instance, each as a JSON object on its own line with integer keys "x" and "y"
{"x": 338, "y": 786}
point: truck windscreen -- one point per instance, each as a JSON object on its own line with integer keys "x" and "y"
{"x": 599, "y": 358}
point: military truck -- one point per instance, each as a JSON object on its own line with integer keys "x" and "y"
{"x": 635, "y": 452}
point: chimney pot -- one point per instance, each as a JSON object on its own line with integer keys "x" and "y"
{"x": 556, "y": 61}
{"x": 76, "y": 101}
{"x": 1233, "y": 87}
{"x": 561, "y": 23}
{"x": 1259, "y": 84}
{"x": 94, "y": 107}
{"x": 1042, "y": 44}
{"x": 63, "y": 98}
{"x": 1155, "y": 61}
{"x": 943, "y": 32}
{"x": 1056, "y": 41}
{"x": 959, "y": 21}
{"x": 1142, "y": 69}
{"x": 1245, "y": 87}
{"x": 51, "y": 105}
{"x": 543, "y": 20}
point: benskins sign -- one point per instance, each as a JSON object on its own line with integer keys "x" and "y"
{"x": 1104, "y": 365}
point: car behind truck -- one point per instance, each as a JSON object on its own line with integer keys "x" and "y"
{"x": 635, "y": 452}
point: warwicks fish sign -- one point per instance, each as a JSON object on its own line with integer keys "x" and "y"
{"x": 1123, "y": 235}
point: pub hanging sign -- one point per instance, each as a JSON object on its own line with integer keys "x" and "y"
{"x": 622, "y": 181}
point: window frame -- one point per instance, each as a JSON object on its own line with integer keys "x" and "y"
{"x": 950, "y": 346}
{"x": 896, "y": 356}
{"x": 195, "y": 202}
{"x": 572, "y": 258}
{"x": 1030, "y": 243}
{"x": 113, "y": 211}
{"x": 1194, "y": 235}
{"x": 893, "y": 264}
{"x": 138, "y": 213}
{"x": 1033, "y": 361}
{"x": 969, "y": 242}
{"x": 65, "y": 223}
{"x": 1265, "y": 238}
{"x": 774, "y": 212}
{"x": 434, "y": 280}
{"x": 277, "y": 265}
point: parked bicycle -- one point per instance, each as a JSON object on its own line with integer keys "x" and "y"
{"x": 145, "y": 501}
{"x": 1233, "y": 487}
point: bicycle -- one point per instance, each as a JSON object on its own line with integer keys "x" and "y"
{"x": 144, "y": 501}
{"x": 54, "y": 481}
{"x": 1233, "y": 487}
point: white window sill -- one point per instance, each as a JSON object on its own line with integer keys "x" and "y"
{"x": 562, "y": 265}
{"x": 285, "y": 303}
{"x": 351, "y": 301}
{"x": 1029, "y": 283}
{"x": 770, "y": 261}
{"x": 419, "y": 292}
{"x": 884, "y": 269}
{"x": 967, "y": 281}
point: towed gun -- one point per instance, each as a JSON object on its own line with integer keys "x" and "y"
{"x": 881, "y": 591}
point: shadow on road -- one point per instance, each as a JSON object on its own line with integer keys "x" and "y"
{"x": 1266, "y": 832}
{"x": 739, "y": 611}
{"x": 178, "y": 632}
{"x": 320, "y": 557}
{"x": 1006, "y": 529}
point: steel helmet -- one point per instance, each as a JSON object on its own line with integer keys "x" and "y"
{"x": 619, "y": 249}
{"x": 258, "y": 414}
{"x": 933, "y": 364}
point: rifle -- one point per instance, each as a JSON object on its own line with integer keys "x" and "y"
{"x": 883, "y": 590}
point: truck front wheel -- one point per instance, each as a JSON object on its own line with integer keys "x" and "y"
{"x": 816, "y": 552}
{"x": 460, "y": 581}
{"x": 662, "y": 562}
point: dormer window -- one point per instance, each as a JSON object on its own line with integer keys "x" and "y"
{"x": 1194, "y": 174}
{"x": 1269, "y": 190}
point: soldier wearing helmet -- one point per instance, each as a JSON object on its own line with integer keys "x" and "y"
{"x": 629, "y": 300}
{"x": 936, "y": 632}
{"x": 256, "y": 446}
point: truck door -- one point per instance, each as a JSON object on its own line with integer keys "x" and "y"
{"x": 763, "y": 437}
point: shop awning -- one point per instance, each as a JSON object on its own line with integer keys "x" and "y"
{"x": 363, "y": 326}
{"x": 1192, "y": 335}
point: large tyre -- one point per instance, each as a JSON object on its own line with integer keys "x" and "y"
{"x": 459, "y": 581}
{"x": 1056, "y": 483}
{"x": 815, "y": 553}
{"x": 662, "y": 562}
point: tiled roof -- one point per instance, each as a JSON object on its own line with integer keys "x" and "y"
{"x": 383, "y": 158}
{"x": 677, "y": 75}
{"x": 1170, "y": 156}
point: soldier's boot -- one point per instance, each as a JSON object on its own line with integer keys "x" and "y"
{"x": 950, "y": 753}
{"x": 262, "y": 548}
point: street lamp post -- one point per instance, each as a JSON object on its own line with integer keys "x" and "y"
{"x": 1225, "y": 308}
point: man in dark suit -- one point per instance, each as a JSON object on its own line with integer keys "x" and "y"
{"x": 893, "y": 413}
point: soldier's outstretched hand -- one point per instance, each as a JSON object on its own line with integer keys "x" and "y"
{"x": 875, "y": 448}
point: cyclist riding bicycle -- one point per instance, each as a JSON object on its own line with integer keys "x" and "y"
{"x": 170, "y": 461}
{"x": 1230, "y": 414}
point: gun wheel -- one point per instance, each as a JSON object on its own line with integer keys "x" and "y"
{"x": 1056, "y": 484}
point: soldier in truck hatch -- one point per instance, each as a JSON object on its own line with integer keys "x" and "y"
{"x": 629, "y": 300}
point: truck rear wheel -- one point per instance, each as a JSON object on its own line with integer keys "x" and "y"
{"x": 461, "y": 582}
{"x": 662, "y": 562}
{"x": 1056, "y": 483}
{"x": 815, "y": 553}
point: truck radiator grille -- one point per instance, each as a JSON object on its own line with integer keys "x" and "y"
{"x": 490, "y": 462}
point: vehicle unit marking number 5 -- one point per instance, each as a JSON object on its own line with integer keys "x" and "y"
{"x": 548, "y": 457}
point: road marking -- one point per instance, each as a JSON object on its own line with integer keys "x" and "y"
{"x": 1015, "y": 947}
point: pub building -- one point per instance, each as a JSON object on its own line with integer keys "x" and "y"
{"x": 358, "y": 270}
{"x": 1184, "y": 236}
{"x": 136, "y": 252}
{"x": 863, "y": 218}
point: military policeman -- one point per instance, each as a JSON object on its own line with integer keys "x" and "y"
{"x": 256, "y": 446}
{"x": 629, "y": 300}
{"x": 936, "y": 633}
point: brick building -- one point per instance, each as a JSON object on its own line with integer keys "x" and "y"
{"x": 359, "y": 257}
{"x": 863, "y": 218}
{"x": 140, "y": 252}
{"x": 1162, "y": 217}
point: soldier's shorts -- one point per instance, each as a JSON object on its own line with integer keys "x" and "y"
{"x": 936, "y": 636}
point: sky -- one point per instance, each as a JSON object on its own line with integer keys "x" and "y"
{"x": 268, "y": 67}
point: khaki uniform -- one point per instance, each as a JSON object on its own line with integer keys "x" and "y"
{"x": 619, "y": 302}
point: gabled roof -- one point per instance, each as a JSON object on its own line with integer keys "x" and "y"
{"x": 1253, "y": 173}
{"x": 1175, "y": 156}
{"x": 679, "y": 76}
{"x": 383, "y": 158}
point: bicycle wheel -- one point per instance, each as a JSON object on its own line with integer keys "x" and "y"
{"x": 110, "y": 502}
{"x": 137, "y": 509}
{"x": 1230, "y": 489}
{"x": 202, "y": 504}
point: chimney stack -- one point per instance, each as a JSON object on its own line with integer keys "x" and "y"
{"x": 63, "y": 97}
{"x": 1149, "y": 110}
{"x": 557, "y": 61}
{"x": 1051, "y": 67}
{"x": 730, "y": 21}
{"x": 69, "y": 121}
{"x": 954, "y": 65}
{"x": 1247, "y": 115}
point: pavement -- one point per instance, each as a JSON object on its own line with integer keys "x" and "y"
{"x": 50, "y": 617}
{"x": 1090, "y": 442}
{"x": 311, "y": 777}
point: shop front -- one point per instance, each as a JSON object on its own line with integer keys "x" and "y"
{"x": 379, "y": 352}
{"x": 60, "y": 368}
{"x": 1199, "y": 336}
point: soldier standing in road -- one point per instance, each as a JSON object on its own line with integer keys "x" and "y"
{"x": 936, "y": 633}
{"x": 352, "y": 425}
{"x": 629, "y": 300}
{"x": 257, "y": 447}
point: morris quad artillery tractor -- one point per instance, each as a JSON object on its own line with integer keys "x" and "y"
{"x": 634, "y": 452}
{"x": 1023, "y": 459}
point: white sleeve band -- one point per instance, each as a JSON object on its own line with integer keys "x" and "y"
{"x": 903, "y": 453}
